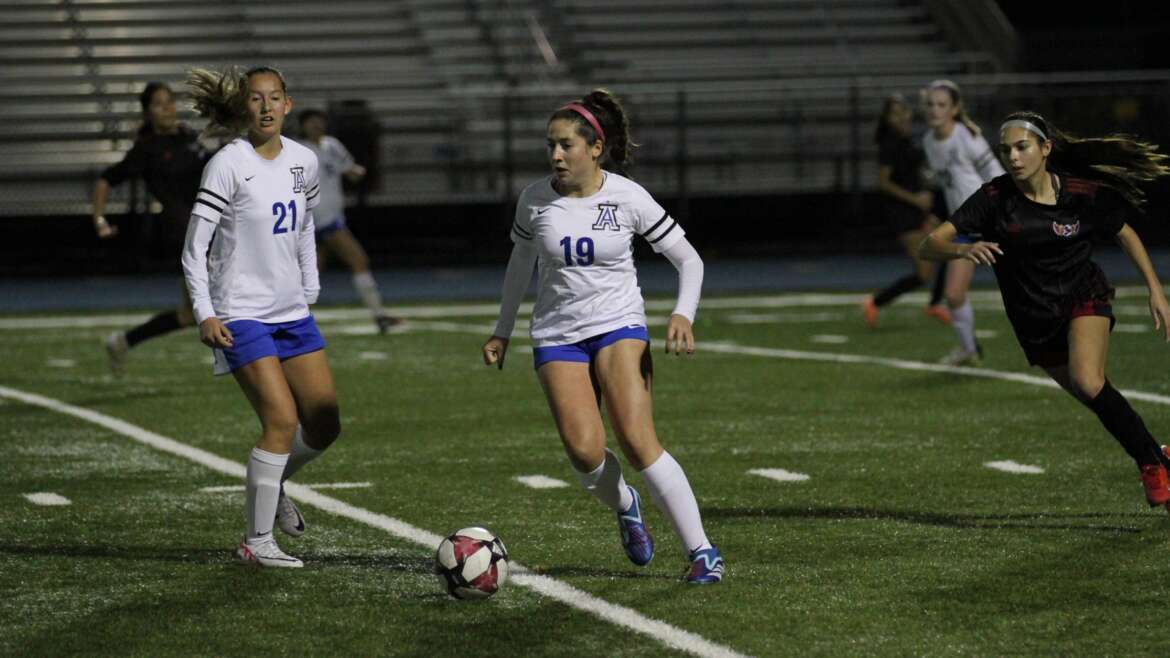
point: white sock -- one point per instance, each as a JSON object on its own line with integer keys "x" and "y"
{"x": 963, "y": 320}
{"x": 264, "y": 469}
{"x": 672, "y": 493}
{"x": 606, "y": 482}
{"x": 301, "y": 454}
{"x": 367, "y": 289}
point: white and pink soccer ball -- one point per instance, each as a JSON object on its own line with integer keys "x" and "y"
{"x": 472, "y": 563}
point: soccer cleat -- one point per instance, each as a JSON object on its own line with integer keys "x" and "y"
{"x": 961, "y": 357}
{"x": 706, "y": 567}
{"x": 870, "y": 311}
{"x": 938, "y": 312}
{"x": 1156, "y": 484}
{"x": 263, "y": 552}
{"x": 385, "y": 322}
{"x": 288, "y": 516}
{"x": 636, "y": 539}
{"x": 119, "y": 350}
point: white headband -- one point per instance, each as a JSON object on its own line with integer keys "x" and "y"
{"x": 1026, "y": 125}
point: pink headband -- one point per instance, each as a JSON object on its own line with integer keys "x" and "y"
{"x": 580, "y": 109}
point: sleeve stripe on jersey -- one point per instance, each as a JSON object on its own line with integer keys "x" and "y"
{"x": 310, "y": 197}
{"x": 658, "y": 239}
{"x": 521, "y": 232}
{"x": 314, "y": 188}
{"x": 210, "y": 205}
{"x": 665, "y": 216}
{"x": 209, "y": 192}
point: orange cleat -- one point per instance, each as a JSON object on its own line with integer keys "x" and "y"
{"x": 870, "y": 310}
{"x": 938, "y": 312}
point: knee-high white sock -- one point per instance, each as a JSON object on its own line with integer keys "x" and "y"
{"x": 367, "y": 289}
{"x": 301, "y": 454}
{"x": 264, "y": 469}
{"x": 606, "y": 482}
{"x": 672, "y": 493}
{"x": 963, "y": 320}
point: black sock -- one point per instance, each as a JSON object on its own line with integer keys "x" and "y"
{"x": 940, "y": 282}
{"x": 1126, "y": 426}
{"x": 158, "y": 325}
{"x": 896, "y": 289}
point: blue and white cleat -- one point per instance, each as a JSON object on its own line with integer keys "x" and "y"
{"x": 636, "y": 537}
{"x": 706, "y": 567}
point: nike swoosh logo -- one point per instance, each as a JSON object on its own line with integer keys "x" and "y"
{"x": 541, "y": 211}
{"x": 248, "y": 178}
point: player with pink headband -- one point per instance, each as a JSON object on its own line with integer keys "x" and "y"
{"x": 588, "y": 329}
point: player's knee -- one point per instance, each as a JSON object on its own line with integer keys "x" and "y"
{"x": 282, "y": 424}
{"x": 956, "y": 299}
{"x": 324, "y": 426}
{"x": 1087, "y": 384}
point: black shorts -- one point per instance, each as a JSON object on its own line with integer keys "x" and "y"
{"x": 1046, "y": 345}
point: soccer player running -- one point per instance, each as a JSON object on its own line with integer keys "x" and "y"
{"x": 962, "y": 160}
{"x": 251, "y": 266}
{"x": 168, "y": 156}
{"x": 333, "y": 235}
{"x": 906, "y": 205}
{"x": 1035, "y": 228}
{"x": 589, "y": 324}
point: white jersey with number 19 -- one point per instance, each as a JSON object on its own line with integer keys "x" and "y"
{"x": 587, "y": 281}
{"x": 257, "y": 267}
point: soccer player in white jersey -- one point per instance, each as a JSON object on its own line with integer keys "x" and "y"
{"x": 251, "y": 266}
{"x": 962, "y": 161}
{"x": 334, "y": 162}
{"x": 589, "y": 325}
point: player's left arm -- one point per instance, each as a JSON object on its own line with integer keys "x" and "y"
{"x": 680, "y": 333}
{"x": 307, "y": 239}
{"x": 1133, "y": 247}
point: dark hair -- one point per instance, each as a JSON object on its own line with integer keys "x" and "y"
{"x": 310, "y": 113}
{"x": 883, "y": 126}
{"x": 952, "y": 90}
{"x": 222, "y": 96}
{"x": 1121, "y": 162}
{"x": 144, "y": 100}
{"x": 608, "y": 111}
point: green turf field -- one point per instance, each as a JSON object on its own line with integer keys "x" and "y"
{"x": 899, "y": 542}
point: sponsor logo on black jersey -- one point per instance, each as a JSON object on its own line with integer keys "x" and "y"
{"x": 606, "y": 218}
{"x": 1066, "y": 230}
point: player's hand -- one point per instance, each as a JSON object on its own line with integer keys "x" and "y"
{"x": 494, "y": 351}
{"x": 104, "y": 228}
{"x": 982, "y": 253}
{"x": 1160, "y": 311}
{"x": 924, "y": 200}
{"x": 680, "y": 336}
{"x": 213, "y": 333}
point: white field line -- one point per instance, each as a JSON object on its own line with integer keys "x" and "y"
{"x": 540, "y": 482}
{"x": 990, "y": 298}
{"x": 779, "y": 474}
{"x": 1009, "y": 466}
{"x": 47, "y": 498}
{"x": 671, "y": 636}
{"x": 829, "y": 339}
{"x": 233, "y": 488}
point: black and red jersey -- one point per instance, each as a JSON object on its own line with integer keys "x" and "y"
{"x": 1046, "y": 267}
{"x": 171, "y": 166}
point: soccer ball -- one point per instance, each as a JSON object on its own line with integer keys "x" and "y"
{"x": 472, "y": 563}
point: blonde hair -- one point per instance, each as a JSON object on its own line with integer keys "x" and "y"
{"x": 952, "y": 90}
{"x": 222, "y": 96}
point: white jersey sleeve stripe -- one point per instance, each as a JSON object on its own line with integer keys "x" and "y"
{"x": 204, "y": 190}
{"x": 210, "y": 205}
{"x": 521, "y": 233}
{"x": 673, "y": 225}
{"x": 665, "y": 216}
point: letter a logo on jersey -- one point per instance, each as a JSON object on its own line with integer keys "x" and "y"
{"x": 298, "y": 178}
{"x": 607, "y": 219}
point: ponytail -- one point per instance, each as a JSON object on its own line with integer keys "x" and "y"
{"x": 1121, "y": 162}
{"x": 222, "y": 96}
{"x": 611, "y": 117}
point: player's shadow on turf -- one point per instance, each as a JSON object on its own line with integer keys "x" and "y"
{"x": 556, "y": 572}
{"x": 1013, "y": 521}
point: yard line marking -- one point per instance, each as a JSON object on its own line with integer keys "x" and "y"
{"x": 830, "y": 339}
{"x": 1131, "y": 328}
{"x": 233, "y": 488}
{"x": 784, "y": 318}
{"x": 1009, "y": 466}
{"x": 47, "y": 498}
{"x": 373, "y": 356}
{"x": 779, "y": 474}
{"x": 784, "y": 300}
{"x": 61, "y": 363}
{"x": 667, "y": 634}
{"x": 986, "y": 333}
{"x": 540, "y": 482}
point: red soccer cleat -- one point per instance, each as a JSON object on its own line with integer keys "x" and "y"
{"x": 870, "y": 311}
{"x": 1156, "y": 483}
{"x": 938, "y": 312}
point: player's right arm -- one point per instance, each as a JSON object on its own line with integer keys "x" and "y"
{"x": 129, "y": 167}
{"x": 215, "y": 191}
{"x": 516, "y": 278}
{"x": 974, "y": 217}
